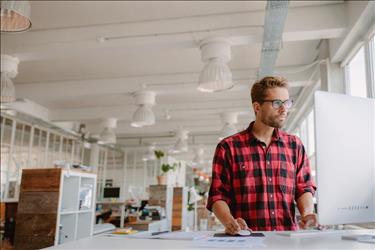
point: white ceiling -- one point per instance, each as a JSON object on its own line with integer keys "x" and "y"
{"x": 66, "y": 69}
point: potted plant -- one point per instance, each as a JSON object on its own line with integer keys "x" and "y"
{"x": 165, "y": 168}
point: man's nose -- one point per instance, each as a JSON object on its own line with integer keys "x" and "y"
{"x": 283, "y": 108}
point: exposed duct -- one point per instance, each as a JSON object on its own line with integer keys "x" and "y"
{"x": 276, "y": 13}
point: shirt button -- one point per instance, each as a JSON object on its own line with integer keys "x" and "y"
{"x": 243, "y": 166}
{"x": 273, "y": 213}
{"x": 270, "y": 179}
{"x": 271, "y": 195}
{"x": 268, "y": 162}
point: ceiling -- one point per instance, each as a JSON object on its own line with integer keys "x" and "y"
{"x": 66, "y": 68}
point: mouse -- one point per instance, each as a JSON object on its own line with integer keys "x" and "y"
{"x": 244, "y": 232}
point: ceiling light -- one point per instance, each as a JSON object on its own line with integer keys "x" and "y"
{"x": 181, "y": 143}
{"x": 143, "y": 116}
{"x": 216, "y": 75}
{"x": 198, "y": 157}
{"x": 8, "y": 92}
{"x": 150, "y": 154}
{"x": 229, "y": 119}
{"x": 9, "y": 69}
{"x": 108, "y": 135}
{"x": 15, "y": 16}
{"x": 180, "y": 146}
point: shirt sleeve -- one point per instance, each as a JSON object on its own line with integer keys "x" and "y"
{"x": 221, "y": 181}
{"x": 304, "y": 181}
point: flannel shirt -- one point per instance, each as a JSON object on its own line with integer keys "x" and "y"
{"x": 261, "y": 184}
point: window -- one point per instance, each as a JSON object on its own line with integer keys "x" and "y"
{"x": 356, "y": 70}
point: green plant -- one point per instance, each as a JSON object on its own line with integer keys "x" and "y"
{"x": 165, "y": 167}
{"x": 190, "y": 206}
{"x": 159, "y": 154}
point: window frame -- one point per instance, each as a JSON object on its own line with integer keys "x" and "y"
{"x": 368, "y": 45}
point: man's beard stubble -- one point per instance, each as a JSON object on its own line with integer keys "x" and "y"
{"x": 273, "y": 122}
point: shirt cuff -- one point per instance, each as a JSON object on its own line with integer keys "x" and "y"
{"x": 307, "y": 189}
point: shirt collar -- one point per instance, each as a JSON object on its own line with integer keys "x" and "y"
{"x": 276, "y": 136}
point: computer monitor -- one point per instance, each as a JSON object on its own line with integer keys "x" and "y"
{"x": 111, "y": 192}
{"x": 345, "y": 158}
{"x": 143, "y": 204}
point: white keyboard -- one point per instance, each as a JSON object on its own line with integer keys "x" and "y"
{"x": 367, "y": 238}
{"x": 311, "y": 233}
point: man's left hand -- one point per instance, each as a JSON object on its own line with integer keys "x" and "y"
{"x": 309, "y": 220}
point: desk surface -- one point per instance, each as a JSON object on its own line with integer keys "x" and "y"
{"x": 272, "y": 241}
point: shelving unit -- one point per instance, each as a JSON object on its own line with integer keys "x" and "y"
{"x": 57, "y": 201}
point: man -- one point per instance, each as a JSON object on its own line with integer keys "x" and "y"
{"x": 259, "y": 173}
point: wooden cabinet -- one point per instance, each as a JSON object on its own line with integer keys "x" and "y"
{"x": 55, "y": 206}
{"x": 179, "y": 210}
{"x": 162, "y": 196}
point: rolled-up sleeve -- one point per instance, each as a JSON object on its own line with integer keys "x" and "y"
{"x": 304, "y": 180}
{"x": 221, "y": 181}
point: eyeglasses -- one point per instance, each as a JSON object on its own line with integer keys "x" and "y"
{"x": 278, "y": 103}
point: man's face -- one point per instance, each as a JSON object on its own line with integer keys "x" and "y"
{"x": 269, "y": 115}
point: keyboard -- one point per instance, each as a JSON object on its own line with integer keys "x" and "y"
{"x": 367, "y": 238}
{"x": 311, "y": 233}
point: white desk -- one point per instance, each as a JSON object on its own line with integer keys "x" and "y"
{"x": 272, "y": 241}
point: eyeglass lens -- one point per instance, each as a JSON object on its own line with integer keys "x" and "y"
{"x": 277, "y": 103}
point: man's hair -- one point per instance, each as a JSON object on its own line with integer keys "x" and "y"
{"x": 260, "y": 87}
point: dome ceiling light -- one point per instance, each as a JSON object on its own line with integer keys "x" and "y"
{"x": 216, "y": 75}
{"x": 143, "y": 115}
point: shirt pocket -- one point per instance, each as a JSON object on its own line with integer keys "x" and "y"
{"x": 287, "y": 178}
{"x": 249, "y": 176}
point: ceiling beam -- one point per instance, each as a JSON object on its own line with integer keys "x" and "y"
{"x": 165, "y": 84}
{"x": 124, "y": 112}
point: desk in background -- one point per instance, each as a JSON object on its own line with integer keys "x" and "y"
{"x": 154, "y": 226}
{"x": 116, "y": 203}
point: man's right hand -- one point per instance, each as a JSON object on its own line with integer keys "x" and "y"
{"x": 232, "y": 226}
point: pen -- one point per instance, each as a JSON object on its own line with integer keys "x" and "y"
{"x": 157, "y": 233}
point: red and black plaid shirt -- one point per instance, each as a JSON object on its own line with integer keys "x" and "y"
{"x": 260, "y": 184}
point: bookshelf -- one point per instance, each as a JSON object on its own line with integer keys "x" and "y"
{"x": 55, "y": 206}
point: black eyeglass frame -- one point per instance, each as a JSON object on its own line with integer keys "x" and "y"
{"x": 277, "y": 103}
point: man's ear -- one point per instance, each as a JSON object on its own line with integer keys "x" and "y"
{"x": 256, "y": 107}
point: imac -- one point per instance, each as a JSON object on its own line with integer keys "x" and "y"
{"x": 345, "y": 158}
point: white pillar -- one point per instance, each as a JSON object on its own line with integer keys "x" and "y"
{"x": 94, "y": 156}
{"x": 331, "y": 74}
